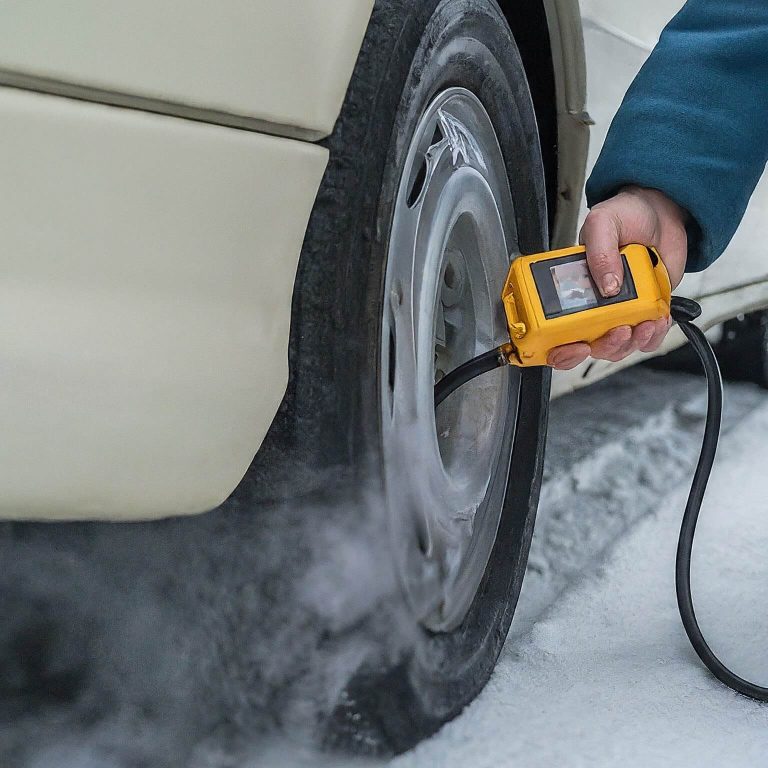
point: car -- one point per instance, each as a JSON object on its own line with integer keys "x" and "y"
{"x": 244, "y": 239}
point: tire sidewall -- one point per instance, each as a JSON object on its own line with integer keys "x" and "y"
{"x": 446, "y": 671}
{"x": 467, "y": 43}
{"x": 331, "y": 415}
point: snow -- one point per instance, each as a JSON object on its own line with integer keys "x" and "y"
{"x": 180, "y": 620}
{"x": 607, "y": 677}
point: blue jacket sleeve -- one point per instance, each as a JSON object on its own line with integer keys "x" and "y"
{"x": 694, "y": 124}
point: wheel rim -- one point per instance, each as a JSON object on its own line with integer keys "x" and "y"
{"x": 453, "y": 229}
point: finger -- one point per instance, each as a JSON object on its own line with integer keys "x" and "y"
{"x": 600, "y": 235}
{"x": 639, "y": 335}
{"x": 674, "y": 255}
{"x": 660, "y": 332}
{"x": 568, "y": 356}
{"x": 642, "y": 334}
{"x": 610, "y": 345}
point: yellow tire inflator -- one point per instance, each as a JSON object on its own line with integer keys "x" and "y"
{"x": 550, "y": 300}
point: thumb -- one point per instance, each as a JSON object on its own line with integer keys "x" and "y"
{"x": 600, "y": 234}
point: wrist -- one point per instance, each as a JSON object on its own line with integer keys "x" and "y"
{"x": 665, "y": 207}
{"x": 667, "y": 225}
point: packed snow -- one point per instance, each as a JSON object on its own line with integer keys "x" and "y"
{"x": 607, "y": 677}
{"x": 159, "y": 629}
{"x": 597, "y": 671}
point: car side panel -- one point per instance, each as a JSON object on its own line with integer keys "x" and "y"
{"x": 745, "y": 260}
{"x": 641, "y": 22}
{"x": 280, "y": 62}
{"x": 147, "y": 265}
{"x": 620, "y": 34}
{"x": 716, "y": 309}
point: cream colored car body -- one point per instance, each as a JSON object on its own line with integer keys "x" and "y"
{"x": 158, "y": 175}
{"x": 148, "y": 249}
{"x": 618, "y": 37}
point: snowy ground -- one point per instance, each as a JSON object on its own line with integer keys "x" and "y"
{"x": 596, "y": 672}
{"x": 607, "y": 678}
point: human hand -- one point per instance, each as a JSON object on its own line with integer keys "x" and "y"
{"x": 634, "y": 215}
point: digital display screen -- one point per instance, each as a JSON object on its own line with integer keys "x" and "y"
{"x": 565, "y": 286}
{"x": 574, "y": 285}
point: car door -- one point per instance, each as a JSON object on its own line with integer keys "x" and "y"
{"x": 618, "y": 37}
{"x": 744, "y": 262}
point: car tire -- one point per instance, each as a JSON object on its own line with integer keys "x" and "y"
{"x": 743, "y": 348}
{"x": 454, "y": 62}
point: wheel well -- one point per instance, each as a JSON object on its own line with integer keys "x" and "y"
{"x": 528, "y": 22}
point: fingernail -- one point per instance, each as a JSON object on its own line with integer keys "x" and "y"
{"x": 622, "y": 333}
{"x": 564, "y": 361}
{"x": 559, "y": 360}
{"x": 554, "y": 360}
{"x": 611, "y": 284}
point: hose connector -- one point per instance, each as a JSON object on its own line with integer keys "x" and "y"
{"x": 684, "y": 310}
